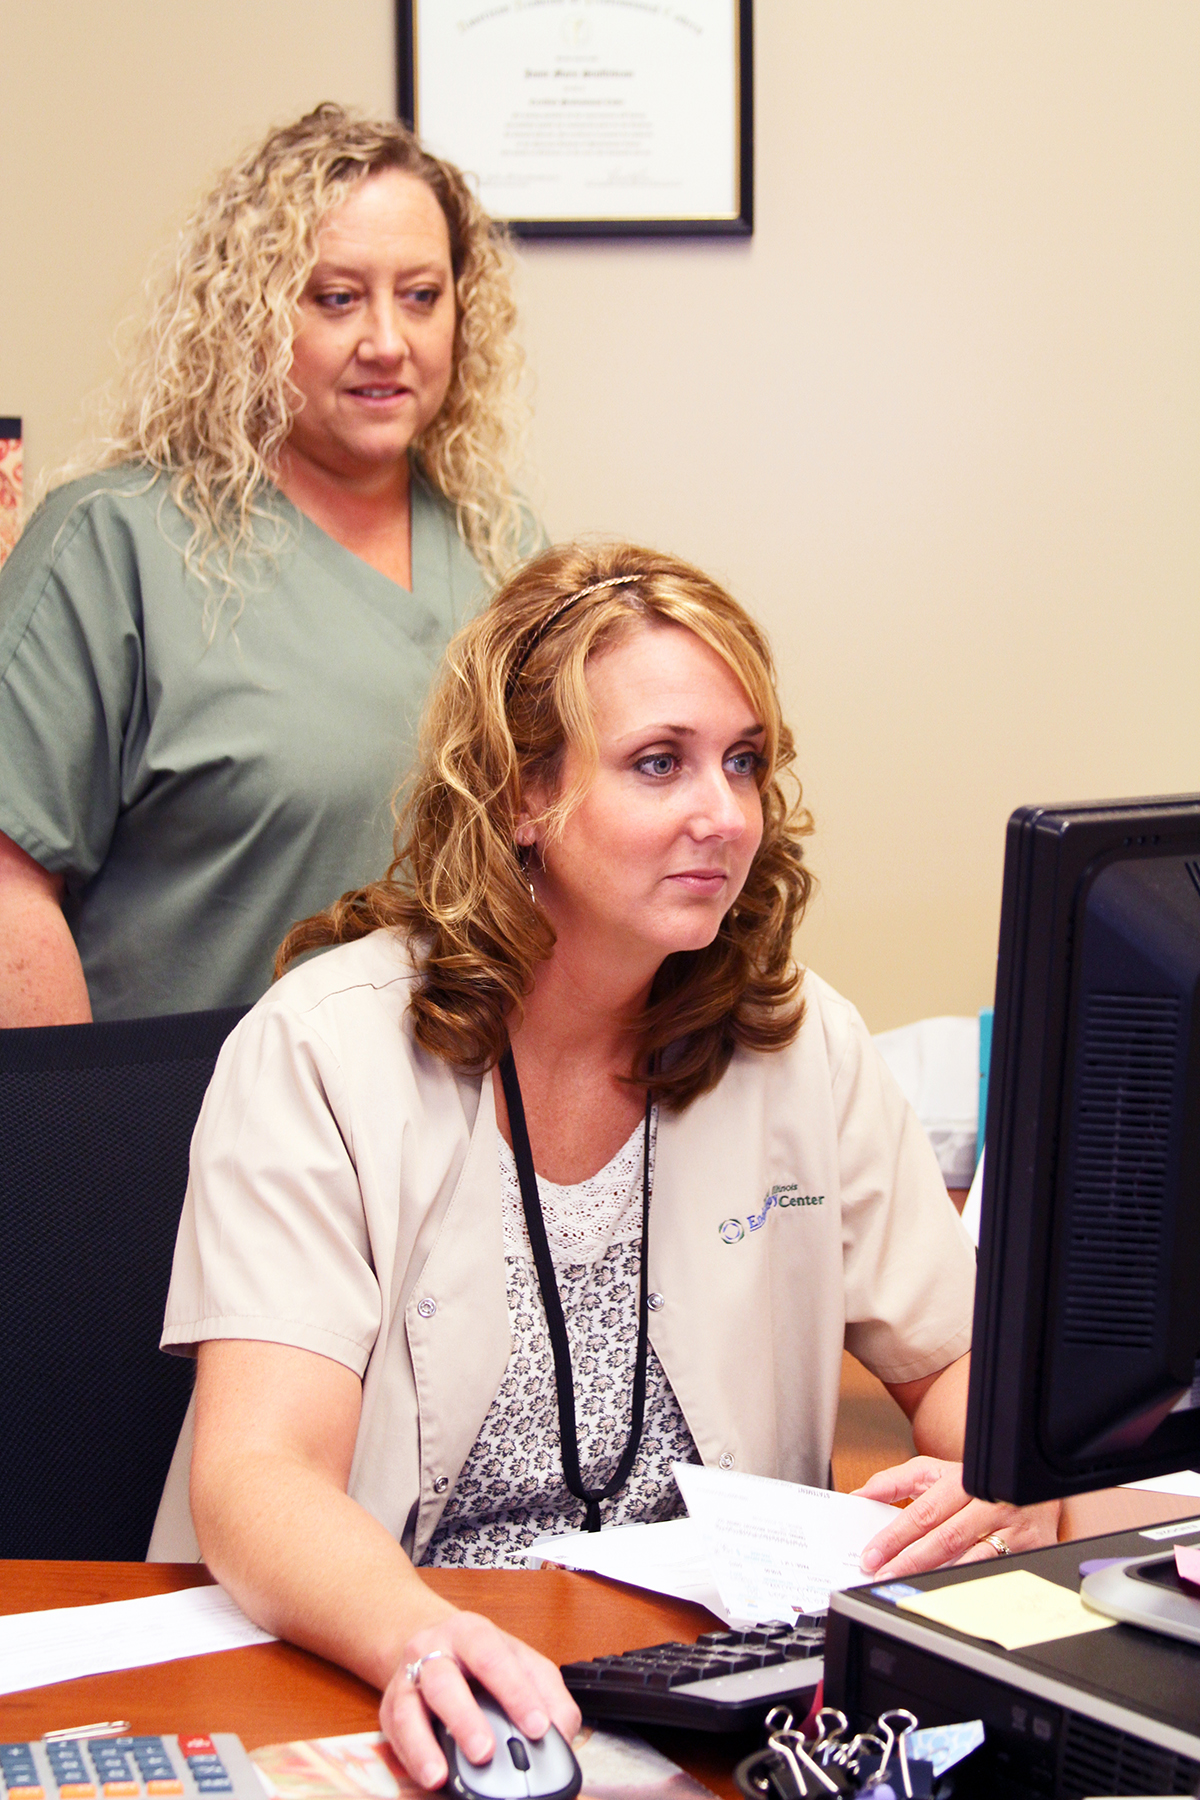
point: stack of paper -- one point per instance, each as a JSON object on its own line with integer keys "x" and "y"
{"x": 750, "y": 1550}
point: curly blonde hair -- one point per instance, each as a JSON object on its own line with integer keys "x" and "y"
{"x": 513, "y": 698}
{"x": 206, "y": 397}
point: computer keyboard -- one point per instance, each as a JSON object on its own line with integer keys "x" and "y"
{"x": 726, "y": 1681}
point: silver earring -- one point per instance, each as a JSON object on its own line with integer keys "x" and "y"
{"x": 524, "y": 857}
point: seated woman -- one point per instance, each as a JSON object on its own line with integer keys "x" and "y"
{"x": 215, "y": 645}
{"x": 414, "y": 1349}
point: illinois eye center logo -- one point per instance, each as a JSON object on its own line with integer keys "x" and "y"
{"x": 783, "y": 1194}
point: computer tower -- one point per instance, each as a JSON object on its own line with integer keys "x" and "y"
{"x": 1109, "y": 1712}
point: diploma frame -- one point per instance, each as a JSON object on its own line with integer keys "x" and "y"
{"x": 738, "y": 221}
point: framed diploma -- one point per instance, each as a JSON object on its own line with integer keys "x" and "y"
{"x": 589, "y": 118}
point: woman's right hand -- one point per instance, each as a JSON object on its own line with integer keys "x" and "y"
{"x": 526, "y": 1684}
{"x": 275, "y": 1433}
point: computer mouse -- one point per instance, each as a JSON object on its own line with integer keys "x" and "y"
{"x": 520, "y": 1768}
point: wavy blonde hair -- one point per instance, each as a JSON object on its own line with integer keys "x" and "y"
{"x": 512, "y": 700}
{"x": 206, "y": 398}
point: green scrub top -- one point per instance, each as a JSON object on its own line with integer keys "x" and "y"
{"x": 202, "y": 789}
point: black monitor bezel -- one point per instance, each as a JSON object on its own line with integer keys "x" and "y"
{"x": 1052, "y": 854}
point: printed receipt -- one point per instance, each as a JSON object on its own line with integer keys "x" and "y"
{"x": 775, "y": 1548}
{"x": 750, "y": 1550}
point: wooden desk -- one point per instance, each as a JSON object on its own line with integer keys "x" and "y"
{"x": 272, "y": 1692}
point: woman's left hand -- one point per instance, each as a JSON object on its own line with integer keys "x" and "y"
{"x": 944, "y": 1524}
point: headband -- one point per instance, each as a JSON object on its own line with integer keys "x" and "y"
{"x": 535, "y": 637}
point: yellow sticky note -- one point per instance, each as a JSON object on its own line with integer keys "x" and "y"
{"x": 1013, "y": 1609}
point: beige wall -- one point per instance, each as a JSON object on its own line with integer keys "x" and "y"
{"x": 938, "y": 423}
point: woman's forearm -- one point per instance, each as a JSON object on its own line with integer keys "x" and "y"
{"x": 309, "y": 1564}
{"x": 938, "y": 1418}
{"x": 41, "y": 977}
{"x": 275, "y": 1431}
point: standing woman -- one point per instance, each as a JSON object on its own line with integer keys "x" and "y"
{"x": 556, "y": 1170}
{"x": 214, "y": 646}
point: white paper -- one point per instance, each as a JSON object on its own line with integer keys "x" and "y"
{"x": 776, "y": 1548}
{"x": 66, "y": 1641}
{"x": 668, "y": 1558}
{"x": 751, "y": 1549}
{"x": 584, "y": 109}
{"x": 1184, "y": 1481}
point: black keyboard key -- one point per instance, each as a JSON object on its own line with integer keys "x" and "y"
{"x": 580, "y": 1674}
{"x": 694, "y": 1671}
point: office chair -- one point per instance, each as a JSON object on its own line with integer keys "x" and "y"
{"x": 95, "y": 1124}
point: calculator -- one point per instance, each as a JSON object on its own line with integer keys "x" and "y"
{"x": 167, "y": 1767}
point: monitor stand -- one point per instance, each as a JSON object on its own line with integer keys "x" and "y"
{"x": 1147, "y": 1591}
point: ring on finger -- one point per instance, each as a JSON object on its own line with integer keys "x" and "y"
{"x": 989, "y": 1537}
{"x": 412, "y": 1670}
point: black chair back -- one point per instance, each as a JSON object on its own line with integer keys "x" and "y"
{"x": 95, "y": 1125}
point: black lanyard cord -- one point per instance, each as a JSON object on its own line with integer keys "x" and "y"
{"x": 564, "y": 1379}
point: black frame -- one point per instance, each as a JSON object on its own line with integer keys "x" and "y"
{"x": 1037, "y": 1249}
{"x": 739, "y": 225}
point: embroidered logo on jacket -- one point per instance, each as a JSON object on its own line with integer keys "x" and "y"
{"x": 783, "y": 1194}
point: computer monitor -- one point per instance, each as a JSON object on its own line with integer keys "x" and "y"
{"x": 1087, "y": 1313}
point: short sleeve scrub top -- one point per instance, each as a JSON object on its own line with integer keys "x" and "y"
{"x": 205, "y": 777}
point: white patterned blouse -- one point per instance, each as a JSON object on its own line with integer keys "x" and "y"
{"x": 511, "y": 1489}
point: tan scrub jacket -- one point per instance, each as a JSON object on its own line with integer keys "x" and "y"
{"x": 345, "y": 1199}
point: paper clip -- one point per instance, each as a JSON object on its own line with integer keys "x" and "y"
{"x": 831, "y": 1727}
{"x": 790, "y": 1745}
{"x": 896, "y": 1741}
{"x": 105, "y": 1728}
{"x": 849, "y": 1755}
